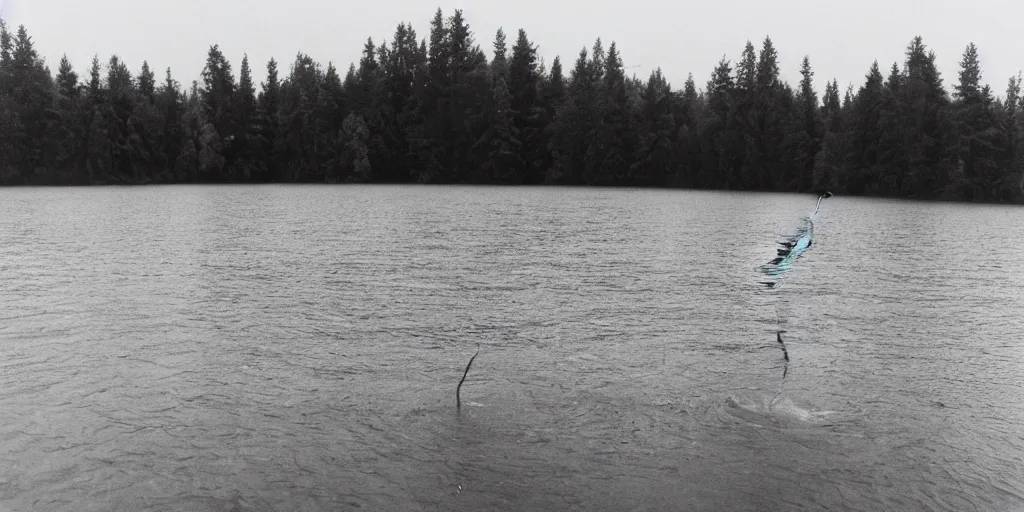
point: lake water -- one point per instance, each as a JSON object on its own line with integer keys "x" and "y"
{"x": 298, "y": 348}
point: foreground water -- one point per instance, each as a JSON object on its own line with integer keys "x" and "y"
{"x": 297, "y": 348}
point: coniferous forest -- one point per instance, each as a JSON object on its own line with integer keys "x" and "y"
{"x": 442, "y": 110}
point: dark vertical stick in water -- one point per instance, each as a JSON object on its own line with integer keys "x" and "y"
{"x": 458, "y": 389}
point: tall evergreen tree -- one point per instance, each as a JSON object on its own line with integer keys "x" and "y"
{"x": 170, "y": 106}
{"x": 573, "y": 124}
{"x": 147, "y": 81}
{"x": 499, "y": 65}
{"x": 976, "y": 149}
{"x": 217, "y": 102}
{"x": 435, "y": 104}
{"x": 1012, "y": 161}
{"x": 246, "y": 130}
{"x": 526, "y": 112}
{"x": 269, "y": 144}
{"x": 551, "y": 98}
{"x": 504, "y": 163}
{"x": 653, "y": 163}
{"x": 810, "y": 139}
{"x": 924, "y": 104}
{"x": 866, "y": 138}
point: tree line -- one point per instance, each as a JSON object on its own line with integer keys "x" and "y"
{"x": 442, "y": 110}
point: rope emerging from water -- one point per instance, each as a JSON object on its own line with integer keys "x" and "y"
{"x": 791, "y": 249}
{"x": 458, "y": 389}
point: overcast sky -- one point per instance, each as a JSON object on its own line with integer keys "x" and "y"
{"x": 842, "y": 39}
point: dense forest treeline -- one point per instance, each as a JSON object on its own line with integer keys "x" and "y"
{"x": 441, "y": 110}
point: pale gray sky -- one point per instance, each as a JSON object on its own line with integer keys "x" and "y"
{"x": 842, "y": 39}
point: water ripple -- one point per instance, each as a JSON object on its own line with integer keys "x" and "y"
{"x": 297, "y": 348}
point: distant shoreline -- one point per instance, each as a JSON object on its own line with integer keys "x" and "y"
{"x": 489, "y": 185}
{"x": 440, "y": 109}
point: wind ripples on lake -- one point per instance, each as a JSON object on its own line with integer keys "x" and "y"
{"x": 297, "y": 348}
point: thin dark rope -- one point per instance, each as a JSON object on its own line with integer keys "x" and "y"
{"x": 458, "y": 389}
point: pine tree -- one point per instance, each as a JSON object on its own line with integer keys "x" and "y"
{"x": 552, "y": 96}
{"x": 31, "y": 88}
{"x": 246, "y": 130}
{"x": 719, "y": 137}
{"x": 217, "y": 101}
{"x": 573, "y": 125}
{"x": 97, "y": 142}
{"x": 269, "y": 144}
{"x": 892, "y": 162}
{"x": 830, "y": 103}
{"x": 746, "y": 71}
{"x": 118, "y": 112}
{"x": 469, "y": 94}
{"x": 866, "y": 139}
{"x": 767, "y": 130}
{"x": 614, "y": 149}
{"x": 1012, "y": 161}
{"x": 328, "y": 126}
{"x": 298, "y": 124}
{"x": 810, "y": 138}
{"x": 504, "y": 163}
{"x": 527, "y": 113}
{"x": 169, "y": 103}
{"x": 95, "y": 83}
{"x": 398, "y": 104}
{"x": 653, "y": 160}
{"x": 6, "y": 47}
{"x": 66, "y": 128}
{"x": 831, "y": 164}
{"x": 688, "y": 108}
{"x": 499, "y": 65}
{"x": 143, "y": 129}
{"x": 147, "y": 81}
{"x": 435, "y": 104}
{"x": 924, "y": 103}
{"x": 976, "y": 149}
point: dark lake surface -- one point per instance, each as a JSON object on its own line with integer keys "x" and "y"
{"x": 297, "y": 348}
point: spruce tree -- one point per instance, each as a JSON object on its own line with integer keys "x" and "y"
{"x": 653, "y": 160}
{"x": 66, "y": 126}
{"x": 551, "y": 98}
{"x": 526, "y": 112}
{"x": 767, "y": 130}
{"x": 268, "y": 147}
{"x": 246, "y": 130}
{"x": 1011, "y": 163}
{"x": 720, "y": 160}
{"x": 923, "y": 109}
{"x": 435, "y": 104}
{"x": 976, "y": 149}
{"x": 866, "y": 139}
{"x": 169, "y": 104}
{"x": 499, "y": 65}
{"x": 217, "y": 102}
{"x": 615, "y": 130}
{"x": 573, "y": 124}
{"x": 32, "y": 90}
{"x": 503, "y": 163}
{"x": 147, "y": 81}
{"x": 810, "y": 138}
{"x": 328, "y": 119}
